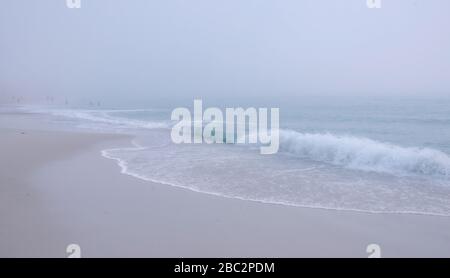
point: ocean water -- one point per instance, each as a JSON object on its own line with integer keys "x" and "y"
{"x": 378, "y": 156}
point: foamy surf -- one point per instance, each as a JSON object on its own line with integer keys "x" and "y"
{"x": 236, "y": 172}
{"x": 104, "y": 117}
{"x": 128, "y": 169}
{"x": 312, "y": 169}
{"x": 365, "y": 154}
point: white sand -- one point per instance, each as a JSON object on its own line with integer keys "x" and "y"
{"x": 56, "y": 189}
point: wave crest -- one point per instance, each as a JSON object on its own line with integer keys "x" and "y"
{"x": 365, "y": 154}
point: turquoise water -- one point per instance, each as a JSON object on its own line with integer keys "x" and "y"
{"x": 379, "y": 155}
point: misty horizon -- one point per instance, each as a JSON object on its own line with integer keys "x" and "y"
{"x": 158, "y": 53}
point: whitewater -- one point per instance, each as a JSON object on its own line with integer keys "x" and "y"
{"x": 401, "y": 164}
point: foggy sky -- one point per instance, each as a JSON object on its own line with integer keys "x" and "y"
{"x": 138, "y": 51}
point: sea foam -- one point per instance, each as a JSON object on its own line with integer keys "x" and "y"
{"x": 365, "y": 154}
{"x": 105, "y": 117}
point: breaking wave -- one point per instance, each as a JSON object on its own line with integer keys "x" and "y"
{"x": 365, "y": 154}
{"x": 351, "y": 152}
{"x": 106, "y": 117}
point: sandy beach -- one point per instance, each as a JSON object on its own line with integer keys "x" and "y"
{"x": 57, "y": 189}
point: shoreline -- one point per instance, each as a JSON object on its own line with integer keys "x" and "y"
{"x": 124, "y": 171}
{"x": 57, "y": 189}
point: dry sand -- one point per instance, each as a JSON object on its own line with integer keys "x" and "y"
{"x": 56, "y": 189}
